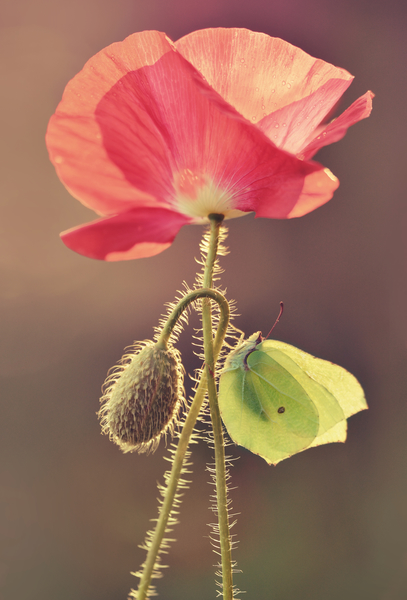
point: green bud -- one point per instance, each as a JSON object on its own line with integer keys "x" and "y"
{"x": 142, "y": 397}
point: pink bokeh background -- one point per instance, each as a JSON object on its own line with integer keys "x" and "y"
{"x": 328, "y": 523}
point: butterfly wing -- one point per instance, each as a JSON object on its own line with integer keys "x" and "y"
{"x": 266, "y": 410}
{"x": 277, "y": 400}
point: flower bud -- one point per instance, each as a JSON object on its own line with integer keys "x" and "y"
{"x": 142, "y": 397}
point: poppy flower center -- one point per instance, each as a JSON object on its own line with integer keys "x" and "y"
{"x": 198, "y": 196}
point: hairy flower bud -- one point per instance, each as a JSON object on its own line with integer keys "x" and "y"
{"x": 142, "y": 397}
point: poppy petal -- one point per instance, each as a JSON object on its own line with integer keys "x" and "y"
{"x": 74, "y": 138}
{"x": 255, "y": 73}
{"x": 334, "y": 131}
{"x": 311, "y": 192}
{"x": 292, "y": 126}
{"x": 138, "y": 233}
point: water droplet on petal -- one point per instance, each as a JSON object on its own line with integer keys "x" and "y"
{"x": 272, "y": 91}
{"x": 288, "y": 85}
{"x": 263, "y": 107}
{"x": 253, "y": 68}
{"x": 242, "y": 60}
{"x": 257, "y": 89}
{"x": 284, "y": 124}
{"x": 283, "y": 82}
{"x": 276, "y": 125}
{"x": 254, "y": 118}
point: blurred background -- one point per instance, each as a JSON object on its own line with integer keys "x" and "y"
{"x": 329, "y": 523}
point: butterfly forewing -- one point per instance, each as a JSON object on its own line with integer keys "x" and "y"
{"x": 266, "y": 410}
{"x": 281, "y": 403}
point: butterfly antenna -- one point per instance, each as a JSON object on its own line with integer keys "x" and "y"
{"x": 277, "y": 320}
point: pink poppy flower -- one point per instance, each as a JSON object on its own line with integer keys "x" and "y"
{"x": 153, "y": 135}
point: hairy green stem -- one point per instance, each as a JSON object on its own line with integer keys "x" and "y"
{"x": 211, "y": 294}
{"x": 220, "y": 465}
{"x": 185, "y": 436}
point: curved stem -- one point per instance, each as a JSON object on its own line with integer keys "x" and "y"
{"x": 185, "y": 436}
{"x": 182, "y": 305}
{"x": 220, "y": 465}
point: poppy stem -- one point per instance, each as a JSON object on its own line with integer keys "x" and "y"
{"x": 154, "y": 541}
{"x": 220, "y": 465}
